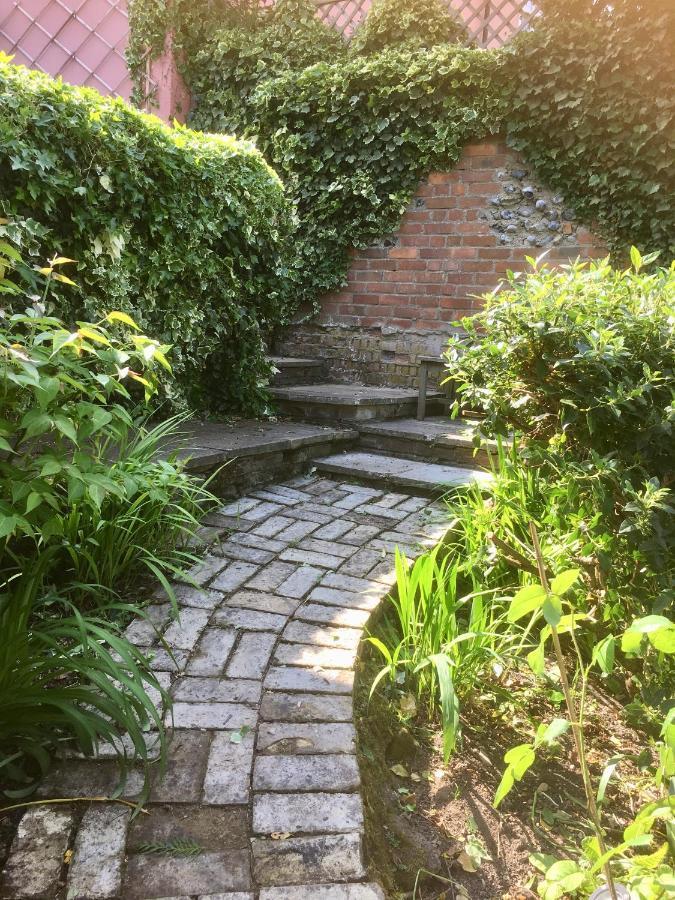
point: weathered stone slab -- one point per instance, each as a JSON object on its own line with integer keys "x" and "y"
{"x": 271, "y": 576}
{"x": 346, "y": 599}
{"x": 312, "y": 512}
{"x": 263, "y": 510}
{"x": 249, "y": 619}
{"x": 213, "y": 716}
{"x": 255, "y": 540}
{"x": 188, "y": 595}
{"x": 144, "y": 630}
{"x": 357, "y": 585}
{"x": 322, "y": 636}
{"x": 236, "y": 550}
{"x": 90, "y": 778}
{"x": 359, "y": 534}
{"x": 96, "y": 867}
{"x": 278, "y": 707}
{"x": 318, "y": 812}
{"x": 308, "y": 558}
{"x": 35, "y": 859}
{"x": 252, "y": 655}
{"x": 338, "y": 772}
{"x": 302, "y": 655}
{"x": 202, "y": 572}
{"x": 361, "y": 563}
{"x": 382, "y": 512}
{"x": 300, "y": 582}
{"x": 306, "y": 737}
{"x": 273, "y": 603}
{"x": 156, "y": 875}
{"x": 333, "y": 615}
{"x": 224, "y": 828}
{"x": 239, "y": 507}
{"x": 324, "y": 892}
{"x": 184, "y": 633}
{"x": 279, "y": 493}
{"x": 163, "y": 661}
{"x": 297, "y": 678}
{"x": 185, "y": 767}
{"x": 272, "y": 526}
{"x": 334, "y": 530}
{"x": 234, "y": 576}
{"x": 217, "y": 690}
{"x": 332, "y": 548}
{"x": 228, "y": 772}
{"x": 307, "y": 859}
{"x": 213, "y": 650}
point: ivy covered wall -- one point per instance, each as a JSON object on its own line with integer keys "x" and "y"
{"x": 588, "y": 97}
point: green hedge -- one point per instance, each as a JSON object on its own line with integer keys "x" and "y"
{"x": 184, "y": 231}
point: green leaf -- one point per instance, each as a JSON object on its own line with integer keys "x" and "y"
{"x": 526, "y": 601}
{"x": 563, "y": 582}
{"x": 552, "y": 609}
{"x": 603, "y": 654}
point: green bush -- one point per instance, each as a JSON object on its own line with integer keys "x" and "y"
{"x": 228, "y": 65}
{"x": 584, "y": 354}
{"x": 411, "y": 23}
{"x": 183, "y": 231}
{"x": 79, "y": 472}
{"x": 87, "y": 508}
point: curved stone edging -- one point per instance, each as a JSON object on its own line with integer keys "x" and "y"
{"x": 262, "y": 769}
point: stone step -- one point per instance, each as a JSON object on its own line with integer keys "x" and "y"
{"x": 435, "y": 439}
{"x": 348, "y": 403}
{"x": 251, "y": 453}
{"x": 410, "y": 475}
{"x": 293, "y": 370}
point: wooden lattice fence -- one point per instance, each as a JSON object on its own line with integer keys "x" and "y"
{"x": 489, "y": 23}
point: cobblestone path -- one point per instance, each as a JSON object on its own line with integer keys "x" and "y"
{"x": 262, "y": 773}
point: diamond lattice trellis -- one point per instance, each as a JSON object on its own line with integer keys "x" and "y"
{"x": 83, "y": 41}
{"x": 490, "y": 23}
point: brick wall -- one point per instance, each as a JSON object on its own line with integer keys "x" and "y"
{"x": 463, "y": 230}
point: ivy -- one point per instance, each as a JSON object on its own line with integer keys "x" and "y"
{"x": 185, "y": 232}
{"x": 407, "y": 23}
{"x": 588, "y": 98}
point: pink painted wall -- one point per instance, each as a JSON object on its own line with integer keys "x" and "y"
{"x": 83, "y": 41}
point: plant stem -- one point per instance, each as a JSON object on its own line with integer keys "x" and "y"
{"x": 74, "y": 800}
{"x": 577, "y": 730}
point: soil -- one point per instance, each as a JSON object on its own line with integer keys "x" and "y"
{"x": 429, "y": 824}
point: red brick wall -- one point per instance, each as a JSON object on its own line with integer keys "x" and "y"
{"x": 463, "y": 230}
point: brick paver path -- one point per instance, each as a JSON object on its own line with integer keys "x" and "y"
{"x": 262, "y": 772}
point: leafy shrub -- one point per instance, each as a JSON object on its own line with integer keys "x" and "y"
{"x": 183, "y": 231}
{"x": 85, "y": 506}
{"x": 76, "y": 471}
{"x": 229, "y": 64}
{"x": 584, "y": 354}
{"x": 412, "y": 23}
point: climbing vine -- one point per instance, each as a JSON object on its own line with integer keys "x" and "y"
{"x": 587, "y": 97}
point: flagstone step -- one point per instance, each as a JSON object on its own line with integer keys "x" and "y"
{"x": 293, "y": 370}
{"x": 435, "y": 439}
{"x": 410, "y": 475}
{"x": 251, "y": 453}
{"x": 347, "y": 403}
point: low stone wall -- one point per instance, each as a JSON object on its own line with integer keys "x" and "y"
{"x": 463, "y": 230}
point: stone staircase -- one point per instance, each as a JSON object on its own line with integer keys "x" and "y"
{"x": 393, "y": 448}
